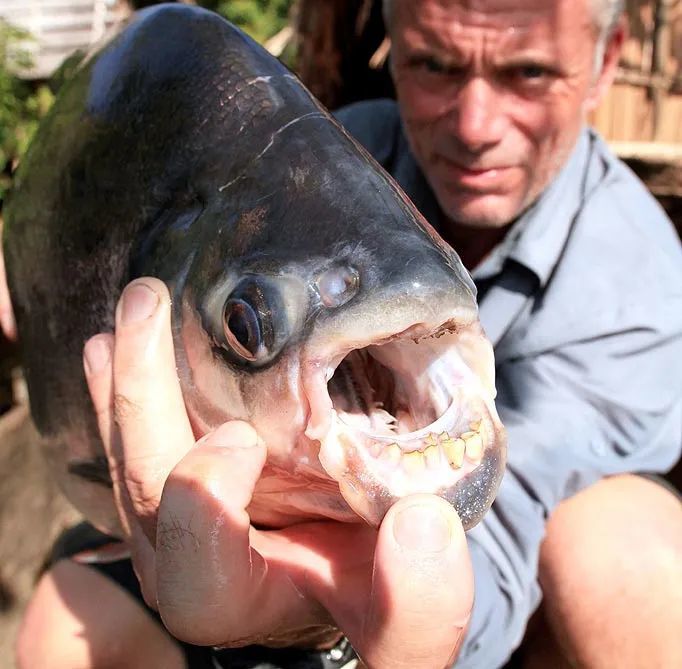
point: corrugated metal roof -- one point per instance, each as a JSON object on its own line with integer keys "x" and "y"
{"x": 58, "y": 28}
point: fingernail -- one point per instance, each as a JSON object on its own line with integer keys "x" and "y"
{"x": 96, "y": 355}
{"x": 138, "y": 302}
{"x": 420, "y": 528}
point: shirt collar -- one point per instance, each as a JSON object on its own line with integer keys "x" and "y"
{"x": 543, "y": 230}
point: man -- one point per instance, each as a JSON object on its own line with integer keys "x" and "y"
{"x": 579, "y": 278}
{"x": 488, "y": 139}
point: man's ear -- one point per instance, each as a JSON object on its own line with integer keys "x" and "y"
{"x": 609, "y": 63}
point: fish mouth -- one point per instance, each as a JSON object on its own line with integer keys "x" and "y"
{"x": 412, "y": 414}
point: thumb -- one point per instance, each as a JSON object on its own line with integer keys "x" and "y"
{"x": 422, "y": 588}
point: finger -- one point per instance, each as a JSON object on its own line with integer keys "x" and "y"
{"x": 7, "y": 322}
{"x": 97, "y": 363}
{"x": 148, "y": 405}
{"x": 98, "y": 367}
{"x": 214, "y": 588}
{"x": 422, "y": 587}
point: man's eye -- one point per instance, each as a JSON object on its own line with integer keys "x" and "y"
{"x": 434, "y": 66}
{"x": 531, "y": 72}
{"x": 530, "y": 77}
{"x": 430, "y": 65}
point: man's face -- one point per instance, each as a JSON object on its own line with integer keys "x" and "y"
{"x": 493, "y": 94}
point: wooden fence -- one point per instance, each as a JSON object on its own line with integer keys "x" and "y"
{"x": 645, "y": 102}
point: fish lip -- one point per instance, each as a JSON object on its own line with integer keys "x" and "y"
{"x": 348, "y": 453}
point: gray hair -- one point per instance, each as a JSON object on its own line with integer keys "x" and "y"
{"x": 606, "y": 14}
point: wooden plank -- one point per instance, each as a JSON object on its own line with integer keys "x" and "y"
{"x": 28, "y": 6}
{"x": 47, "y": 24}
{"x": 59, "y": 27}
{"x": 620, "y": 102}
{"x": 599, "y": 118}
{"x": 628, "y": 113}
{"x": 649, "y": 151}
{"x": 641, "y": 115}
{"x": 670, "y": 129}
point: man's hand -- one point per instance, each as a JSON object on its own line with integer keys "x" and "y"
{"x": 402, "y": 594}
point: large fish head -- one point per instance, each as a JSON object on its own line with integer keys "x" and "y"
{"x": 319, "y": 305}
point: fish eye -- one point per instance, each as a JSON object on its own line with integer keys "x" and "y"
{"x": 243, "y": 330}
{"x": 254, "y": 321}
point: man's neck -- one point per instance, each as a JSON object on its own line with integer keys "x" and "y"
{"x": 471, "y": 244}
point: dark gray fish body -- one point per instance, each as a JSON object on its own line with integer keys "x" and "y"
{"x": 309, "y": 296}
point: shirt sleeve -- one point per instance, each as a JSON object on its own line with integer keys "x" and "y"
{"x": 604, "y": 405}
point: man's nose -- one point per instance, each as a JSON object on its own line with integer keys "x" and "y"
{"x": 477, "y": 117}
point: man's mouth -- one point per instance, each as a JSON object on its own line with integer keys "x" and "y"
{"x": 474, "y": 176}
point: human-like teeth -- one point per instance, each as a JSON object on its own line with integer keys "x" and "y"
{"x": 474, "y": 445}
{"x": 431, "y": 449}
{"x": 432, "y": 456}
{"x": 392, "y": 453}
{"x": 413, "y": 462}
{"x": 454, "y": 451}
{"x": 430, "y": 440}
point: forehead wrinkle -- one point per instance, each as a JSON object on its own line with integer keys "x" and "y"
{"x": 467, "y": 12}
{"x": 439, "y": 27}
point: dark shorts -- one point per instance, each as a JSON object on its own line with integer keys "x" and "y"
{"x": 85, "y": 537}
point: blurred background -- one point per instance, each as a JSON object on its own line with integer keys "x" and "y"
{"x": 340, "y": 51}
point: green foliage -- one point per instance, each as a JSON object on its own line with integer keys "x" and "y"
{"x": 22, "y": 105}
{"x": 259, "y": 18}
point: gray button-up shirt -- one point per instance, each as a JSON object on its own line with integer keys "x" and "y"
{"x": 583, "y": 304}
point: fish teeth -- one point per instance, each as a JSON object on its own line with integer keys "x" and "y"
{"x": 431, "y": 440}
{"x": 413, "y": 462}
{"x": 432, "y": 456}
{"x": 474, "y": 446}
{"x": 392, "y": 453}
{"x": 454, "y": 451}
{"x": 469, "y": 445}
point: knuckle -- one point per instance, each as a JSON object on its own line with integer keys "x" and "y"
{"x": 126, "y": 409}
{"x": 140, "y": 495}
{"x": 145, "y": 501}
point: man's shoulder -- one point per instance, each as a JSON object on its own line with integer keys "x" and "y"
{"x": 620, "y": 268}
{"x": 375, "y": 124}
{"x": 627, "y": 223}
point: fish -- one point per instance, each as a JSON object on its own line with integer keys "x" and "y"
{"x": 309, "y": 296}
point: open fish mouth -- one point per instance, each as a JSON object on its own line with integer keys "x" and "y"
{"x": 414, "y": 414}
